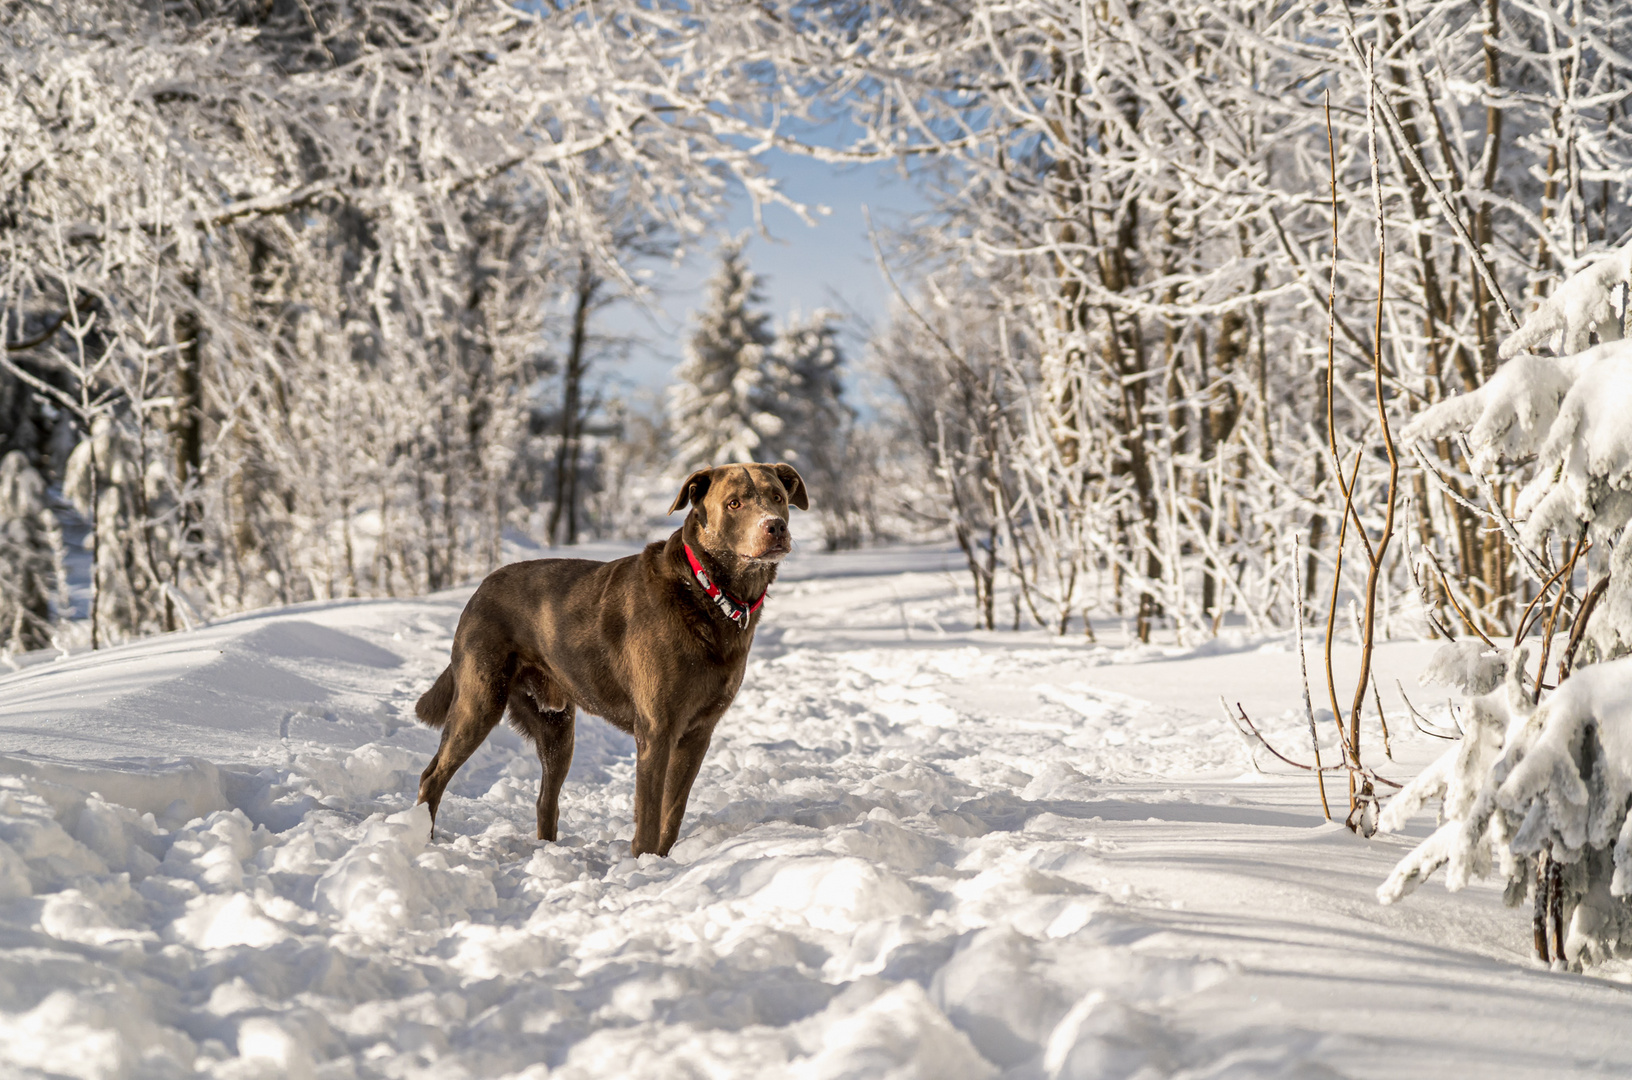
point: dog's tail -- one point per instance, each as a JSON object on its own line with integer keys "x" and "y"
{"x": 433, "y": 705}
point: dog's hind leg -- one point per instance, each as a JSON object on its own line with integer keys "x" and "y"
{"x": 478, "y": 703}
{"x": 555, "y": 754}
{"x": 552, "y": 733}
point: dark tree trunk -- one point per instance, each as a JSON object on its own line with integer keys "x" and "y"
{"x": 564, "y": 516}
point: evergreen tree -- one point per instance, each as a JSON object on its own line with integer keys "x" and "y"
{"x": 720, "y": 408}
{"x": 804, "y": 387}
{"x": 817, "y": 425}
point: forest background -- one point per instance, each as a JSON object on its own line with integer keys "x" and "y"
{"x": 300, "y": 299}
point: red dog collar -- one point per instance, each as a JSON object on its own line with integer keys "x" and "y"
{"x": 730, "y": 606}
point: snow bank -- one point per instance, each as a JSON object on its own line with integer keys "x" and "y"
{"x": 852, "y": 895}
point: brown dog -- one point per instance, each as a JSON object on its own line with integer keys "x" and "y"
{"x": 655, "y": 643}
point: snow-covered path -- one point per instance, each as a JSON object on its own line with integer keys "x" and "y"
{"x": 914, "y": 851}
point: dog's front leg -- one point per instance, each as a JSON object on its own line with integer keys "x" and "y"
{"x": 684, "y": 763}
{"x": 652, "y": 754}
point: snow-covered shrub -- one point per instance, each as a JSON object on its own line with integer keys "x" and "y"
{"x": 1466, "y": 838}
{"x": 1545, "y": 780}
{"x": 1467, "y": 666}
{"x": 1592, "y": 301}
{"x": 1609, "y": 630}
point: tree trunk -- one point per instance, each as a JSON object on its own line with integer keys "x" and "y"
{"x": 563, "y": 528}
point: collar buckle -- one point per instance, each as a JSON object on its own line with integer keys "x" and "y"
{"x": 732, "y": 608}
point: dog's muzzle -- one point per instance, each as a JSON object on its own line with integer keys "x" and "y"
{"x": 777, "y": 540}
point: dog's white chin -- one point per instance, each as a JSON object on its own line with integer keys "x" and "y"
{"x": 771, "y": 557}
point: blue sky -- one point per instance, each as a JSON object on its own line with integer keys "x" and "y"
{"x": 804, "y": 267}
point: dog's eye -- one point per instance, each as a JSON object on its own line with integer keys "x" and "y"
{"x": 735, "y": 504}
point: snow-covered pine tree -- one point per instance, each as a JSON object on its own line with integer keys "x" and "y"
{"x": 1538, "y": 786}
{"x": 804, "y": 386}
{"x": 720, "y": 409}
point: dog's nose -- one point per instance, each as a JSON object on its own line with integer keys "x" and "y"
{"x": 776, "y": 527}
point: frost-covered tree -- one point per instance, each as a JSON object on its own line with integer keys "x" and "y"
{"x": 302, "y": 254}
{"x": 722, "y": 406}
{"x": 1159, "y": 232}
{"x": 132, "y": 538}
{"x": 944, "y": 360}
{"x": 31, "y": 547}
{"x": 300, "y": 258}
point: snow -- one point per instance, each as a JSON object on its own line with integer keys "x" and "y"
{"x": 1584, "y": 469}
{"x": 1590, "y": 301}
{"x": 915, "y": 850}
{"x": 1511, "y": 414}
{"x": 1570, "y": 414}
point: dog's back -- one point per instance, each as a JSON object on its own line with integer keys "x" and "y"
{"x": 504, "y": 610}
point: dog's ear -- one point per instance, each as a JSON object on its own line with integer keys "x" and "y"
{"x": 693, "y": 489}
{"x": 794, "y": 483}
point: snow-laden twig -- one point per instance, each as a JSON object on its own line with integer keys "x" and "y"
{"x": 1248, "y": 729}
{"x": 1421, "y": 722}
